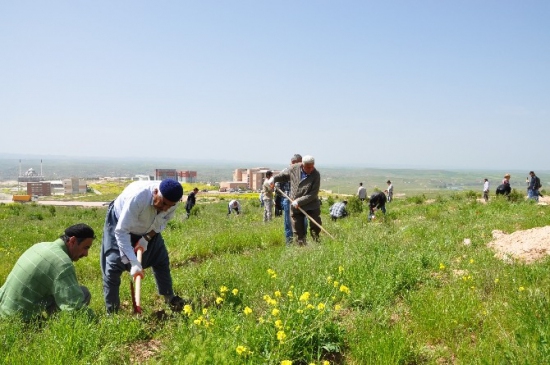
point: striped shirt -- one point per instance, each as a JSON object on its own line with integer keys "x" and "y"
{"x": 44, "y": 275}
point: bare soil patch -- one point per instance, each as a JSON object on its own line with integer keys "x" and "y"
{"x": 526, "y": 246}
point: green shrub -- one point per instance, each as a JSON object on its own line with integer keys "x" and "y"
{"x": 355, "y": 205}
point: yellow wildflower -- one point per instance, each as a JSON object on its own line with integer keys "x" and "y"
{"x": 321, "y": 306}
{"x": 219, "y": 300}
{"x": 304, "y": 297}
{"x": 329, "y": 279}
{"x": 204, "y": 311}
{"x": 337, "y": 307}
{"x": 310, "y": 306}
{"x": 290, "y": 294}
{"x": 235, "y": 291}
{"x": 286, "y": 362}
{"x": 247, "y": 310}
{"x": 275, "y": 312}
{"x": 278, "y": 294}
{"x": 187, "y": 309}
{"x": 279, "y": 324}
{"x": 441, "y": 266}
{"x": 272, "y": 273}
{"x": 223, "y": 289}
{"x": 281, "y": 335}
{"x": 344, "y": 289}
{"x": 336, "y": 283}
{"x": 340, "y": 269}
{"x": 521, "y": 288}
{"x": 241, "y": 350}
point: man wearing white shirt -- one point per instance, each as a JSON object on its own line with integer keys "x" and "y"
{"x": 486, "y": 190}
{"x": 136, "y": 218}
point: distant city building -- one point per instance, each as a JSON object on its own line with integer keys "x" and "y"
{"x": 182, "y": 176}
{"x": 74, "y": 186}
{"x": 143, "y": 178}
{"x": 39, "y": 188}
{"x": 57, "y": 187}
{"x": 252, "y": 178}
{"x": 187, "y": 176}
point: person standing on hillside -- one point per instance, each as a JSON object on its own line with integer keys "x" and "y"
{"x": 305, "y": 182}
{"x": 44, "y": 277}
{"x": 135, "y": 218}
{"x": 267, "y": 189}
{"x": 285, "y": 203}
{"x": 390, "y": 191}
{"x": 191, "y": 201}
{"x": 534, "y": 186}
{"x": 362, "y": 192}
{"x": 486, "y": 190}
{"x": 377, "y": 201}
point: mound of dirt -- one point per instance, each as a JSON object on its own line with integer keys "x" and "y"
{"x": 527, "y": 246}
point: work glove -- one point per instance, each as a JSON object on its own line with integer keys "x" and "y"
{"x": 141, "y": 243}
{"x": 295, "y": 204}
{"x": 136, "y": 269}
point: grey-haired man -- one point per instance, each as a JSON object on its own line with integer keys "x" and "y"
{"x": 305, "y": 182}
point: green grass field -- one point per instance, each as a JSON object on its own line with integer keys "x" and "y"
{"x": 402, "y": 289}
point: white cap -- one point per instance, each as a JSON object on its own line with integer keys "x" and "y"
{"x": 308, "y": 159}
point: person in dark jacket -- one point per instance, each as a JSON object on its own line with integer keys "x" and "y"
{"x": 191, "y": 200}
{"x": 305, "y": 182}
{"x": 377, "y": 201}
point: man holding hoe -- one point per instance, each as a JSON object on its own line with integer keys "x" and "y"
{"x": 305, "y": 182}
{"x": 135, "y": 219}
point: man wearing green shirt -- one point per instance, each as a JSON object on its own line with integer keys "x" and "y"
{"x": 44, "y": 277}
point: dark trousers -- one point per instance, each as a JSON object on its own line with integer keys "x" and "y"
{"x": 112, "y": 267}
{"x": 299, "y": 226}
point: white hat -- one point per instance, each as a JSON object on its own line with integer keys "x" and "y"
{"x": 308, "y": 159}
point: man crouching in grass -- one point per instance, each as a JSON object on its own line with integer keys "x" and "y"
{"x": 44, "y": 277}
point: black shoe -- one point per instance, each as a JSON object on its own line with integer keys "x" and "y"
{"x": 177, "y": 303}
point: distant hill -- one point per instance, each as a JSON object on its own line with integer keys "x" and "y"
{"x": 339, "y": 180}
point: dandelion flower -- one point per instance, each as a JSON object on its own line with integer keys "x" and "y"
{"x": 235, "y": 291}
{"x": 247, "y": 310}
{"x": 286, "y": 362}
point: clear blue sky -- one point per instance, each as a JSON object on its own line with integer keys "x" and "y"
{"x": 428, "y": 84}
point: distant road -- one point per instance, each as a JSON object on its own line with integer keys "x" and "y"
{"x": 64, "y": 203}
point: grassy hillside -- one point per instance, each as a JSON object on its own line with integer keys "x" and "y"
{"x": 402, "y": 289}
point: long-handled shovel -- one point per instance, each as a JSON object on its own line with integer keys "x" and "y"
{"x": 136, "y": 291}
{"x": 307, "y": 215}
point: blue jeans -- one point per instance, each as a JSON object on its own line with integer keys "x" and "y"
{"x": 533, "y": 194}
